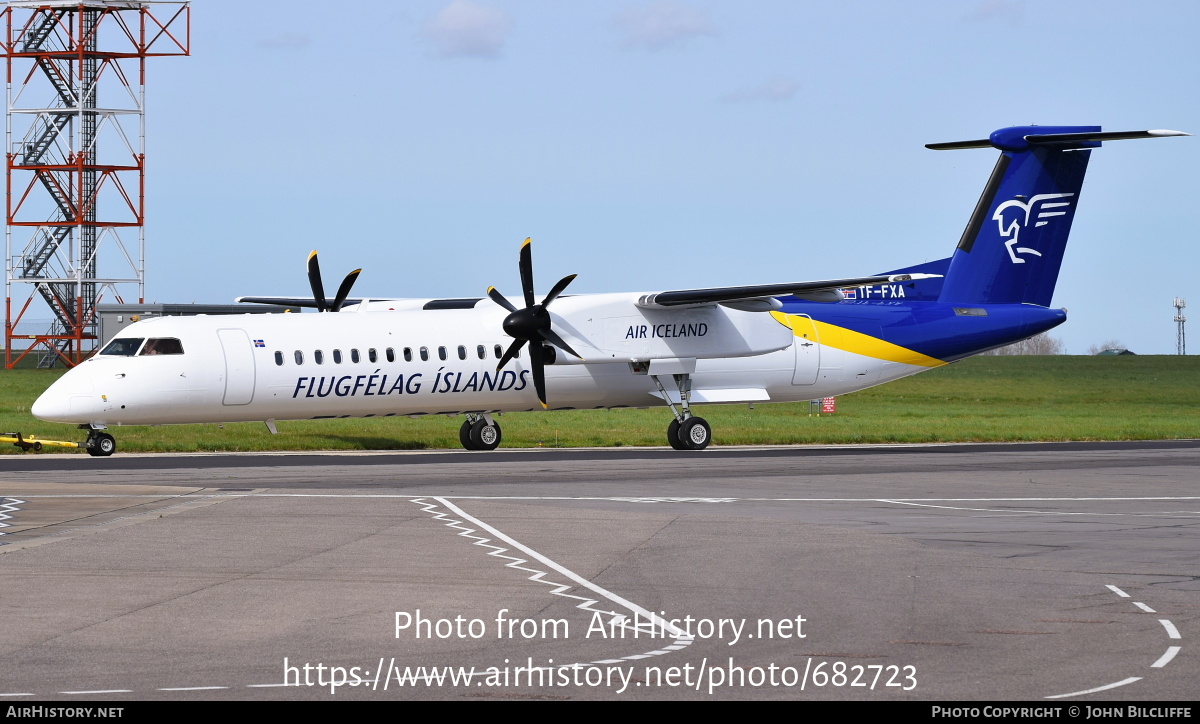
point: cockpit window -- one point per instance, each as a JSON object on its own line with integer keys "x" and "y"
{"x": 164, "y": 345}
{"x": 123, "y": 346}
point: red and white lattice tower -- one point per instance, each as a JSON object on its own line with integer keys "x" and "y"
{"x": 75, "y": 149}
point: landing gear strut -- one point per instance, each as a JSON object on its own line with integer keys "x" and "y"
{"x": 686, "y": 431}
{"x": 479, "y": 432}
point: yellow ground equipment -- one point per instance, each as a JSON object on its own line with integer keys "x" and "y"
{"x": 33, "y": 443}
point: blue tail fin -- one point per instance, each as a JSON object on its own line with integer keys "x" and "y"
{"x": 1013, "y": 245}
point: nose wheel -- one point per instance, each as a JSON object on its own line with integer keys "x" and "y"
{"x": 479, "y": 432}
{"x": 100, "y": 444}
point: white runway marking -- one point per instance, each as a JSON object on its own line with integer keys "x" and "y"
{"x": 681, "y": 638}
{"x": 1163, "y": 660}
{"x": 1106, "y": 687}
{"x": 192, "y": 688}
{"x": 8, "y": 505}
{"x": 1166, "y": 658}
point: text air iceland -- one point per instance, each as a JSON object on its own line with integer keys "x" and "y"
{"x": 377, "y": 385}
{"x": 666, "y": 331}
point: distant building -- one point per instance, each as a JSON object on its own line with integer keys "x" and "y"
{"x": 113, "y": 318}
{"x": 1113, "y": 352}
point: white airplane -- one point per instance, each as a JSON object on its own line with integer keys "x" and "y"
{"x": 478, "y": 358}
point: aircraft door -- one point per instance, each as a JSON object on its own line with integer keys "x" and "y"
{"x": 239, "y": 366}
{"x": 808, "y": 351}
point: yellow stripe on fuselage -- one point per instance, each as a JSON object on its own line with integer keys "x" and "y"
{"x": 848, "y": 340}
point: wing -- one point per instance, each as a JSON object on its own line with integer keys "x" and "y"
{"x": 306, "y": 302}
{"x": 762, "y": 297}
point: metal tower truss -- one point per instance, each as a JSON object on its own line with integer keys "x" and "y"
{"x": 75, "y": 149}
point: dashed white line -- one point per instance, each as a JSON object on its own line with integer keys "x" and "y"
{"x": 681, "y": 638}
{"x": 1163, "y": 660}
{"x": 100, "y": 691}
{"x": 1166, "y": 657}
{"x": 26, "y": 693}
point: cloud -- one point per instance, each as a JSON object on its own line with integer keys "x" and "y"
{"x": 660, "y": 24}
{"x": 782, "y": 89}
{"x": 463, "y": 28}
{"x": 1007, "y": 11}
{"x": 286, "y": 41}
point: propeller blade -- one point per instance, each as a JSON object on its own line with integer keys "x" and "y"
{"x": 552, "y": 337}
{"x": 499, "y": 298}
{"x": 344, "y": 290}
{"x": 527, "y": 272}
{"x": 511, "y": 352}
{"x": 558, "y": 288}
{"x": 536, "y": 356}
{"x": 314, "y": 280}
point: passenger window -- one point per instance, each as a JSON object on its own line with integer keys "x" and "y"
{"x": 499, "y": 351}
{"x": 354, "y": 356}
{"x": 162, "y": 346}
{"x": 391, "y": 354}
{"x": 372, "y": 356}
{"x": 442, "y": 353}
{"x": 462, "y": 352}
{"x": 337, "y": 356}
{"x": 123, "y": 347}
{"x": 279, "y": 358}
{"x": 481, "y": 351}
{"x": 299, "y": 357}
{"x": 319, "y": 357}
{"x": 408, "y": 354}
{"x": 424, "y": 354}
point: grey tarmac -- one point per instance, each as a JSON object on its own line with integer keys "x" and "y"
{"x": 952, "y": 572}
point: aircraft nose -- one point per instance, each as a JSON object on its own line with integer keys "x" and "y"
{"x": 67, "y": 400}
{"x": 51, "y": 407}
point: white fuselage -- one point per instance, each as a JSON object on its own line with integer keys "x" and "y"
{"x": 397, "y": 358}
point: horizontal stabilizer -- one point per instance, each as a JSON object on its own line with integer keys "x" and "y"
{"x": 1021, "y": 138}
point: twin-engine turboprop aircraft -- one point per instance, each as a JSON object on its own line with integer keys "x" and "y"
{"x": 480, "y": 357}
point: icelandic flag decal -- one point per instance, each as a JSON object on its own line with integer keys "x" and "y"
{"x": 850, "y": 293}
{"x": 259, "y": 343}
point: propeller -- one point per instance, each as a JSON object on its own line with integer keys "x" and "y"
{"x": 531, "y": 323}
{"x": 318, "y": 289}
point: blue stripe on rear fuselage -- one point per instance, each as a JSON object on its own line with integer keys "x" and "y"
{"x": 934, "y": 329}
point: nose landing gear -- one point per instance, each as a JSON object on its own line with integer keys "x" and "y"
{"x": 100, "y": 444}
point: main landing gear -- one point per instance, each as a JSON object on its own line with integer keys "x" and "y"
{"x": 99, "y": 444}
{"x": 479, "y": 432}
{"x": 686, "y": 432}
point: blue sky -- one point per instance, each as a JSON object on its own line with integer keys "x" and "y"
{"x": 658, "y": 145}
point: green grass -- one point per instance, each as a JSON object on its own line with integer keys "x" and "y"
{"x": 980, "y": 399}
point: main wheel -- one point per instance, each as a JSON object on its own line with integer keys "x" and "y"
{"x": 695, "y": 433}
{"x": 464, "y": 435}
{"x": 485, "y": 436}
{"x": 102, "y": 445}
{"x": 673, "y": 436}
